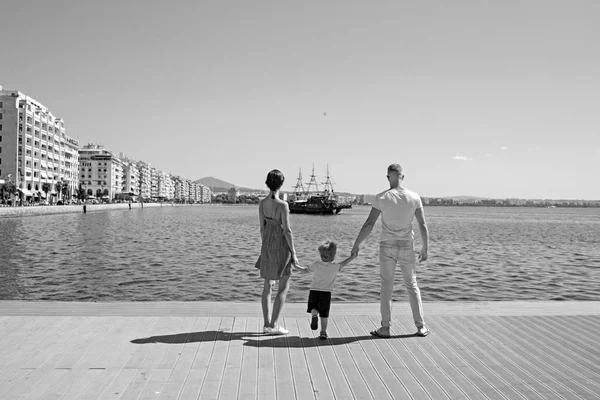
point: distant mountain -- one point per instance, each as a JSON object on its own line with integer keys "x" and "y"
{"x": 214, "y": 182}
{"x": 218, "y": 185}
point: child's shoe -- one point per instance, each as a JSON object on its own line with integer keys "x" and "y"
{"x": 314, "y": 323}
{"x": 323, "y": 335}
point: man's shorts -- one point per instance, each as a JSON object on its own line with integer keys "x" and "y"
{"x": 320, "y": 301}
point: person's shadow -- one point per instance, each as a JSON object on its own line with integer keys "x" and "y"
{"x": 255, "y": 339}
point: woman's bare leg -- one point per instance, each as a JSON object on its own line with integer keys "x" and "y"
{"x": 284, "y": 285}
{"x": 266, "y": 303}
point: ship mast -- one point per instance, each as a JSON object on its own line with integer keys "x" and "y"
{"x": 313, "y": 181}
{"x": 329, "y": 191}
{"x": 299, "y": 188}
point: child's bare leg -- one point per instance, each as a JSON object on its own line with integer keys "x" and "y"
{"x": 284, "y": 285}
{"x": 266, "y": 303}
{"x": 314, "y": 312}
{"x": 324, "y": 324}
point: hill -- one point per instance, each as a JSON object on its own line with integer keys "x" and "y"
{"x": 218, "y": 185}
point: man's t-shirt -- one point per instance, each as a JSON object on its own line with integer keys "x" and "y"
{"x": 324, "y": 274}
{"x": 397, "y": 208}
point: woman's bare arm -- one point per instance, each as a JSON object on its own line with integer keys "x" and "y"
{"x": 261, "y": 219}
{"x": 287, "y": 230}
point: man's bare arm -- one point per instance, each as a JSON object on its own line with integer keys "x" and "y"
{"x": 420, "y": 215}
{"x": 365, "y": 230}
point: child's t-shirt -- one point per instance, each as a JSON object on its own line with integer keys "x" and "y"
{"x": 324, "y": 274}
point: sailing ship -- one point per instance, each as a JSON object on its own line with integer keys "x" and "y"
{"x": 315, "y": 201}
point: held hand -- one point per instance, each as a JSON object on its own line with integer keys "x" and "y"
{"x": 354, "y": 252}
{"x": 295, "y": 262}
{"x": 423, "y": 255}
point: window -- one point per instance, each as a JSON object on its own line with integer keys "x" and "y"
{"x": 0, "y": 115}
{"x": 20, "y": 139}
{"x": 35, "y": 175}
{"x": 0, "y": 127}
{"x": 1, "y": 105}
{"x": 0, "y": 163}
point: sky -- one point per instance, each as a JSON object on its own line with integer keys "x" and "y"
{"x": 481, "y": 98}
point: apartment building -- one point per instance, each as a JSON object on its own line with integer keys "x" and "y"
{"x": 35, "y": 151}
{"x": 101, "y": 173}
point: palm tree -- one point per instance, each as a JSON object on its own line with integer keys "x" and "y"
{"x": 58, "y": 188}
{"x": 65, "y": 189}
{"x": 46, "y": 188}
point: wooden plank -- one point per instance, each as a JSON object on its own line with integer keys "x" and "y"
{"x": 155, "y": 384}
{"x": 195, "y": 379}
{"x": 463, "y": 362}
{"x": 216, "y": 365}
{"x": 129, "y": 350}
{"x": 379, "y": 363}
{"x": 584, "y": 334}
{"x": 508, "y": 384}
{"x": 518, "y": 370}
{"x": 118, "y": 385}
{"x": 266, "y": 369}
{"x": 232, "y": 371}
{"x": 543, "y": 365}
{"x": 56, "y": 386}
{"x": 318, "y": 372}
{"x": 370, "y": 376}
{"x": 171, "y": 355}
{"x": 406, "y": 366}
{"x": 30, "y": 346}
{"x": 335, "y": 374}
{"x": 284, "y": 380}
{"x": 248, "y": 388}
{"x": 232, "y": 309}
{"x": 358, "y": 387}
{"x": 39, "y": 389}
{"x": 142, "y": 351}
{"x": 165, "y": 334}
{"x": 301, "y": 373}
{"x": 183, "y": 365}
{"x": 571, "y": 365}
{"x": 90, "y": 385}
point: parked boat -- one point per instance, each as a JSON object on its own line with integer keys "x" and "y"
{"x": 317, "y": 201}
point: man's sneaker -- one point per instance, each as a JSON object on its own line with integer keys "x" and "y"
{"x": 422, "y": 331}
{"x": 314, "y": 323}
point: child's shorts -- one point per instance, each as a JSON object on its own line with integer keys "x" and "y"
{"x": 320, "y": 301}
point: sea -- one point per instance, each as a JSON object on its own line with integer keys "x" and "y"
{"x": 208, "y": 252}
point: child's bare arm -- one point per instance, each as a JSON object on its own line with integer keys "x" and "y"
{"x": 302, "y": 270}
{"x": 347, "y": 261}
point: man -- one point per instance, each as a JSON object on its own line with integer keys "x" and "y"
{"x": 397, "y": 207}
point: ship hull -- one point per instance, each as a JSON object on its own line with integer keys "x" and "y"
{"x": 316, "y": 205}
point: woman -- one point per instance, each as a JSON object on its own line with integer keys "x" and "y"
{"x": 277, "y": 254}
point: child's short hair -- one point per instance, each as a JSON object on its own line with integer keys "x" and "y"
{"x": 328, "y": 250}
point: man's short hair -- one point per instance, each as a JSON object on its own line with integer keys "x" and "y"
{"x": 328, "y": 250}
{"x": 395, "y": 167}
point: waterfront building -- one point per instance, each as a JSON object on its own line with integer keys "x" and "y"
{"x": 35, "y": 151}
{"x": 153, "y": 183}
{"x": 131, "y": 178}
{"x": 145, "y": 180}
{"x": 206, "y": 194}
{"x": 101, "y": 173}
{"x": 165, "y": 186}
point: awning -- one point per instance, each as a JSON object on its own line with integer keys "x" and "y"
{"x": 25, "y": 192}
{"x": 43, "y": 175}
{"x": 42, "y": 195}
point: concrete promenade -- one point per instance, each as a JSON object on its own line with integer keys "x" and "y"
{"x": 190, "y": 350}
{"x": 73, "y": 209}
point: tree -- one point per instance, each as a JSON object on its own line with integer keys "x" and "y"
{"x": 46, "y": 188}
{"x": 58, "y": 188}
{"x": 81, "y": 192}
{"x": 65, "y": 189}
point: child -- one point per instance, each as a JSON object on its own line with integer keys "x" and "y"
{"x": 325, "y": 272}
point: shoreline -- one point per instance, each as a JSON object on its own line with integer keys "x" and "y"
{"x": 32, "y": 211}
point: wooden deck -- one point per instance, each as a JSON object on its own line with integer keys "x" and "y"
{"x": 505, "y": 350}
